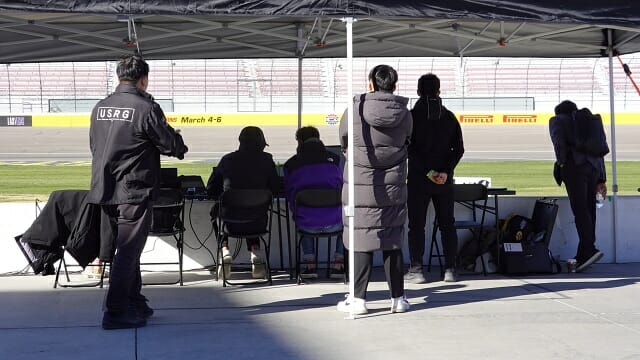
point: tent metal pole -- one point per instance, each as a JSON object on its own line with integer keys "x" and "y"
{"x": 300, "y": 47}
{"x": 299, "y": 92}
{"x": 614, "y": 175}
{"x": 350, "y": 208}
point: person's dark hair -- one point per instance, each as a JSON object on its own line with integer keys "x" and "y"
{"x": 307, "y": 132}
{"x": 384, "y": 78}
{"x": 132, "y": 68}
{"x": 252, "y": 136}
{"x": 565, "y": 107}
{"x": 428, "y": 85}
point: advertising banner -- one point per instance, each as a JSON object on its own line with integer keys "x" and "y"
{"x": 15, "y": 120}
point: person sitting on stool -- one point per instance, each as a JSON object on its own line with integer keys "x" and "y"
{"x": 249, "y": 167}
{"x": 314, "y": 167}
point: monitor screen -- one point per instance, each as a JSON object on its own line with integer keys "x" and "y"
{"x": 169, "y": 178}
{"x": 336, "y": 149}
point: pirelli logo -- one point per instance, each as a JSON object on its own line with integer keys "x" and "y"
{"x": 115, "y": 114}
{"x": 476, "y": 119}
{"x": 519, "y": 119}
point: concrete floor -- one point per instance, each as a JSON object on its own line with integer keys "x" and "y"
{"x": 592, "y": 315}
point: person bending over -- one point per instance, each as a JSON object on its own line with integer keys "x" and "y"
{"x": 583, "y": 175}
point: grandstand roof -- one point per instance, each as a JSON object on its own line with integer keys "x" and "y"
{"x": 56, "y": 30}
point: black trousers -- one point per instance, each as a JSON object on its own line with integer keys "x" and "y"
{"x": 245, "y": 228}
{"x": 132, "y": 223}
{"x": 581, "y": 183}
{"x": 420, "y": 193}
{"x": 393, "y": 269}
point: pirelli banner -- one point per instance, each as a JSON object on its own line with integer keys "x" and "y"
{"x": 516, "y": 119}
{"x": 271, "y": 119}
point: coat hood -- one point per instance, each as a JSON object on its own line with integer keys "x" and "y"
{"x": 432, "y": 107}
{"x": 381, "y": 109}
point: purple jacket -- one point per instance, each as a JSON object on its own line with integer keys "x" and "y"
{"x": 313, "y": 167}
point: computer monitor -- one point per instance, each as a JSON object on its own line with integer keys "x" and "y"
{"x": 336, "y": 149}
{"x": 169, "y": 178}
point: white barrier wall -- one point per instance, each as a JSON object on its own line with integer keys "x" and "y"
{"x": 15, "y": 218}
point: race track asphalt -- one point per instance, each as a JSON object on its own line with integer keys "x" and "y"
{"x": 208, "y": 144}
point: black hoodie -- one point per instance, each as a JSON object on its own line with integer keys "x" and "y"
{"x": 436, "y": 140}
{"x": 247, "y": 168}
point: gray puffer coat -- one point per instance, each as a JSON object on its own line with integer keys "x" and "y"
{"x": 382, "y": 128}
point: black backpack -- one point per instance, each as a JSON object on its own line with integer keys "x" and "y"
{"x": 589, "y": 136}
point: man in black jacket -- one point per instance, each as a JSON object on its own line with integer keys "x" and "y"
{"x": 128, "y": 134}
{"x": 435, "y": 150}
{"x": 584, "y": 175}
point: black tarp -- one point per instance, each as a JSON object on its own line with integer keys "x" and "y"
{"x": 38, "y": 31}
{"x": 625, "y": 13}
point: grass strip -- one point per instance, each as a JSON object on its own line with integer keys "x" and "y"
{"x": 27, "y": 182}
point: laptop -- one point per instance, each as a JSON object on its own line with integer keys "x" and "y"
{"x": 193, "y": 187}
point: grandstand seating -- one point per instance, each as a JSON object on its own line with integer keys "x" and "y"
{"x": 281, "y": 75}
{"x": 191, "y": 83}
{"x": 531, "y": 78}
{"x": 410, "y": 70}
{"x": 622, "y": 85}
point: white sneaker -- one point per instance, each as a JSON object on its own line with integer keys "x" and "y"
{"x": 226, "y": 265}
{"x": 450, "y": 275}
{"x": 359, "y": 305}
{"x": 400, "y": 304}
{"x": 414, "y": 275}
{"x": 227, "y": 271}
{"x": 95, "y": 270}
{"x": 257, "y": 266}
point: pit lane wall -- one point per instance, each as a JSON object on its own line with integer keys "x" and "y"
{"x": 288, "y": 119}
{"x": 15, "y": 219}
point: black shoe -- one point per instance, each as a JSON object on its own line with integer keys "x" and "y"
{"x": 142, "y": 309}
{"x": 128, "y": 320}
{"x": 582, "y": 266}
{"x": 49, "y": 269}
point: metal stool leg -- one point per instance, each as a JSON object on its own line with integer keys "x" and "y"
{"x": 438, "y": 254}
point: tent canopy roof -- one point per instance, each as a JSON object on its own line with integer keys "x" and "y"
{"x": 37, "y": 31}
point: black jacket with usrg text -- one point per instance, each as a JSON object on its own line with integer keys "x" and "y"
{"x": 128, "y": 134}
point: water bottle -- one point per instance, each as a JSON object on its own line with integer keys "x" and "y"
{"x": 599, "y": 200}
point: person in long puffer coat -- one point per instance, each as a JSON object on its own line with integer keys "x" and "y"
{"x": 382, "y": 129}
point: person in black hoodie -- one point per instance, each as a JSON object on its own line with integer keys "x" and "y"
{"x": 584, "y": 175}
{"x": 436, "y": 148}
{"x": 249, "y": 167}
